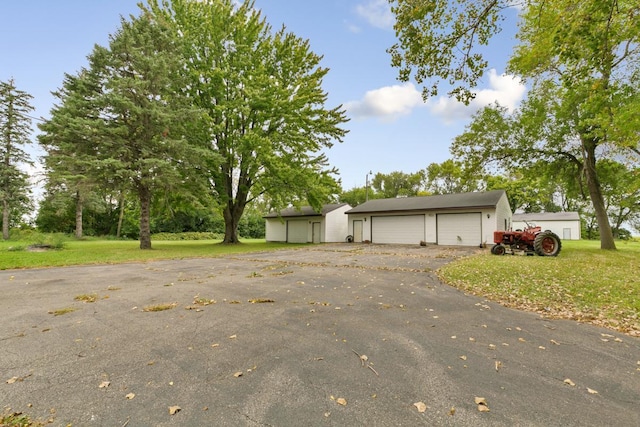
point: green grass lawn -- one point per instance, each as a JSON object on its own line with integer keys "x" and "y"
{"x": 583, "y": 283}
{"x": 118, "y": 251}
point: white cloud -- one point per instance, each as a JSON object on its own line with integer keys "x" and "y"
{"x": 386, "y": 103}
{"x": 353, "y": 28}
{"x": 377, "y": 13}
{"x": 507, "y": 90}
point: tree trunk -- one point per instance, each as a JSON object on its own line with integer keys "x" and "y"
{"x": 145, "y": 224}
{"x": 5, "y": 220}
{"x": 231, "y": 221}
{"x": 78, "y": 216}
{"x": 120, "y": 216}
{"x": 595, "y": 193}
{"x": 234, "y": 206}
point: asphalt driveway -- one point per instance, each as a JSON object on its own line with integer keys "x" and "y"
{"x": 327, "y": 335}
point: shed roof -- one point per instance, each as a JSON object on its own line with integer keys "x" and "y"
{"x": 305, "y": 211}
{"x": 429, "y": 203}
{"x": 547, "y": 216}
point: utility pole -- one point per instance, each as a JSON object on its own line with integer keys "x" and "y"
{"x": 367, "y": 186}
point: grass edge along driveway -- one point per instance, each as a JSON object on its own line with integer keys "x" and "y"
{"x": 584, "y": 283}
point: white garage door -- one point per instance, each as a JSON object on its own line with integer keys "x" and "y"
{"x": 463, "y": 229}
{"x": 297, "y": 231}
{"x": 405, "y": 229}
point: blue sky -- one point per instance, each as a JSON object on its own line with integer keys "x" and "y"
{"x": 391, "y": 128}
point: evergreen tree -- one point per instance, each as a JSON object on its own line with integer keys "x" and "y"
{"x": 129, "y": 121}
{"x": 15, "y": 129}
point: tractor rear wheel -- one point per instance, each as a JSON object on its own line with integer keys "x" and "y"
{"x": 547, "y": 243}
{"x": 498, "y": 249}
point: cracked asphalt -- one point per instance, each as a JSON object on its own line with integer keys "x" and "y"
{"x": 325, "y": 335}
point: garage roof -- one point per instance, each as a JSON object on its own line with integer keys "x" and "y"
{"x": 428, "y": 203}
{"x": 305, "y": 211}
{"x": 547, "y": 216}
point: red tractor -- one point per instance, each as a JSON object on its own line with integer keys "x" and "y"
{"x": 531, "y": 240}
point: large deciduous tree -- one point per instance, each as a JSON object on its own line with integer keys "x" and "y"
{"x": 15, "y": 129}
{"x": 583, "y": 57}
{"x": 265, "y": 106}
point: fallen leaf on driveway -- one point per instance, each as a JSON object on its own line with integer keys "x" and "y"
{"x": 571, "y": 383}
{"x": 130, "y": 396}
{"x": 104, "y": 384}
{"x": 482, "y": 404}
{"x": 421, "y": 406}
{"x": 591, "y": 391}
{"x": 15, "y": 379}
{"x": 260, "y": 300}
{"x": 174, "y": 410}
{"x": 341, "y": 401}
{"x": 237, "y": 374}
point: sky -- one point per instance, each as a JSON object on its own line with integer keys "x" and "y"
{"x": 390, "y": 128}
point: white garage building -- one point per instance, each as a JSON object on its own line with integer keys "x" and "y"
{"x": 565, "y": 224}
{"x": 305, "y": 225}
{"x": 467, "y": 219}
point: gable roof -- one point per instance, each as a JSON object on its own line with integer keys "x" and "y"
{"x": 305, "y": 211}
{"x": 488, "y": 199}
{"x": 547, "y": 216}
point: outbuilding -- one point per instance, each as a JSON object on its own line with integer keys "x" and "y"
{"x": 305, "y": 225}
{"x": 466, "y": 219}
{"x": 565, "y": 225}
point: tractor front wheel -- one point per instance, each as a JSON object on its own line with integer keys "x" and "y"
{"x": 547, "y": 244}
{"x": 498, "y": 249}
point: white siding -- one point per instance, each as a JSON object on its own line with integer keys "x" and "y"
{"x": 460, "y": 229}
{"x": 403, "y": 229}
{"x": 502, "y": 216}
{"x": 556, "y": 226}
{"x": 276, "y": 230}
{"x": 336, "y": 227}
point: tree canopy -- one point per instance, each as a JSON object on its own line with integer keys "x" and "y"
{"x": 261, "y": 92}
{"x": 581, "y": 57}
